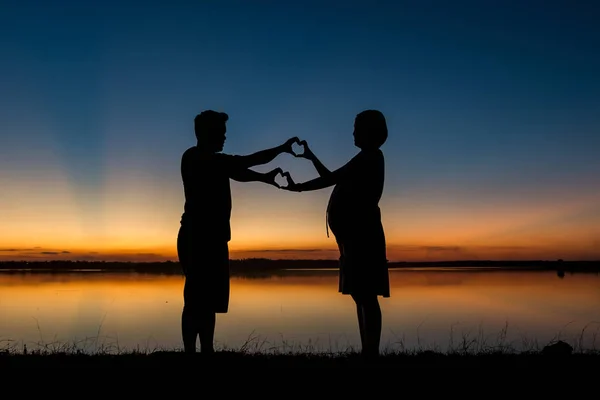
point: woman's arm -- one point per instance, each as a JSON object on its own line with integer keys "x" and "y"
{"x": 309, "y": 155}
{"x": 332, "y": 178}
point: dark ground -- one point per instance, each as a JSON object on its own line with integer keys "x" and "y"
{"x": 233, "y": 360}
{"x": 300, "y": 377}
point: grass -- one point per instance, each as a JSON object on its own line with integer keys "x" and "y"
{"x": 469, "y": 349}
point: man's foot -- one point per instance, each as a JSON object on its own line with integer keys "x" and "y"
{"x": 369, "y": 355}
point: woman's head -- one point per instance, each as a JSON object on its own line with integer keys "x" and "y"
{"x": 370, "y": 129}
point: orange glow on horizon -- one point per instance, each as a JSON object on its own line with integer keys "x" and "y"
{"x": 45, "y": 217}
{"x": 416, "y": 253}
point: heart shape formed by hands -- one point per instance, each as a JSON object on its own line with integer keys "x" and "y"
{"x": 288, "y": 177}
{"x": 280, "y": 179}
{"x": 283, "y": 180}
{"x": 299, "y": 148}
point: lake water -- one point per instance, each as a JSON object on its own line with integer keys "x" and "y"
{"x": 301, "y": 311}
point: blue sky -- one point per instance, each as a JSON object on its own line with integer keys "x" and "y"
{"x": 492, "y": 103}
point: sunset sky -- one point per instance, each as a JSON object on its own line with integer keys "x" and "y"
{"x": 493, "y": 113}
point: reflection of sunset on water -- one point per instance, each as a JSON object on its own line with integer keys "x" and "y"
{"x": 146, "y": 309}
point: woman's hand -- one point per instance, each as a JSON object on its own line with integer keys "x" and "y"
{"x": 291, "y": 185}
{"x": 287, "y": 146}
{"x": 271, "y": 175}
{"x": 307, "y": 153}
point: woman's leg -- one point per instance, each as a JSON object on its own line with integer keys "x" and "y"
{"x": 373, "y": 322}
{"x": 361, "y": 321}
{"x": 369, "y": 316}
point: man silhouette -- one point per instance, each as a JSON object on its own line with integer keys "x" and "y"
{"x": 204, "y": 234}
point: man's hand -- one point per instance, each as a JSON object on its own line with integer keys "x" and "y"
{"x": 287, "y": 146}
{"x": 271, "y": 175}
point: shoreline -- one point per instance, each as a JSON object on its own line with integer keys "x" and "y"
{"x": 269, "y": 266}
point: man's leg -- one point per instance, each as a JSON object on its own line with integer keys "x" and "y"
{"x": 191, "y": 316}
{"x": 189, "y": 329}
{"x": 206, "y": 330}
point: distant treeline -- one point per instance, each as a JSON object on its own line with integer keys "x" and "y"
{"x": 267, "y": 265}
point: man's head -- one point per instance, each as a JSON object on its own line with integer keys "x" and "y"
{"x": 370, "y": 129}
{"x": 210, "y": 128}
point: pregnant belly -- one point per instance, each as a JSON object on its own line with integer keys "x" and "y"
{"x": 354, "y": 223}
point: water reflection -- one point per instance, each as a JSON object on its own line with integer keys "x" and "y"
{"x": 300, "y": 310}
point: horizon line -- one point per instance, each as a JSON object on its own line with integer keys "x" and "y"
{"x": 298, "y": 260}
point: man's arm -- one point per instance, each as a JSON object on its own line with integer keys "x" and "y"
{"x": 266, "y": 156}
{"x": 248, "y": 175}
